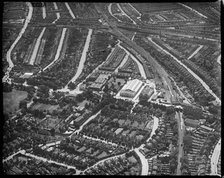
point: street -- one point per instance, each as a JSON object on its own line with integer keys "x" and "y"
{"x": 215, "y": 158}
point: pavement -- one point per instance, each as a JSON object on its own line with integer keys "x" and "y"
{"x": 215, "y": 158}
{"x": 8, "y": 55}
{"x": 144, "y": 162}
{"x": 181, "y": 130}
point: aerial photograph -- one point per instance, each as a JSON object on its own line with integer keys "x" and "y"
{"x": 93, "y": 88}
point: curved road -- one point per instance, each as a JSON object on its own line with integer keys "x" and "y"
{"x": 110, "y": 11}
{"x": 8, "y": 55}
{"x": 118, "y": 5}
{"x": 141, "y": 69}
{"x": 155, "y": 126}
{"x": 144, "y": 162}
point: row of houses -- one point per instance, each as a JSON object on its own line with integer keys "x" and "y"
{"x": 24, "y": 165}
{"x": 122, "y": 165}
{"x": 198, "y": 164}
{"x": 79, "y": 152}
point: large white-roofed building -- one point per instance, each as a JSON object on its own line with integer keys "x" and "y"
{"x": 131, "y": 88}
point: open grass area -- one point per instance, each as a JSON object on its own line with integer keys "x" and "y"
{"x": 11, "y": 100}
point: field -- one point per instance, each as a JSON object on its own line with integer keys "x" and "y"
{"x": 11, "y": 100}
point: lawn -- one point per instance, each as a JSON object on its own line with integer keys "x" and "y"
{"x": 11, "y": 100}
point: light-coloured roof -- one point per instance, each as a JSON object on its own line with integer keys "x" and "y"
{"x": 133, "y": 85}
{"x": 207, "y": 128}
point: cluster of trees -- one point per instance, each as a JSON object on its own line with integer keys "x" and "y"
{"x": 211, "y": 140}
{"x": 184, "y": 166}
{"x": 106, "y": 100}
{"x": 203, "y": 75}
{"x": 97, "y": 54}
{"x": 173, "y": 67}
{"x": 13, "y": 135}
{"x": 192, "y": 112}
{"x": 62, "y": 72}
{"x": 173, "y": 161}
{"x": 187, "y": 140}
{"x": 173, "y": 125}
{"x": 111, "y": 119}
{"x": 85, "y": 10}
{"x": 7, "y": 87}
{"x": 37, "y": 81}
{"x": 50, "y": 45}
{"x": 152, "y": 108}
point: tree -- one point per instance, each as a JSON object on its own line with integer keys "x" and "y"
{"x": 213, "y": 110}
{"x": 143, "y": 98}
{"x": 106, "y": 88}
{"x": 173, "y": 165}
{"x": 187, "y": 140}
{"x": 71, "y": 85}
{"x": 23, "y": 104}
{"x": 80, "y": 97}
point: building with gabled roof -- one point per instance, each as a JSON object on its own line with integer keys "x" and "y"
{"x": 131, "y": 88}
